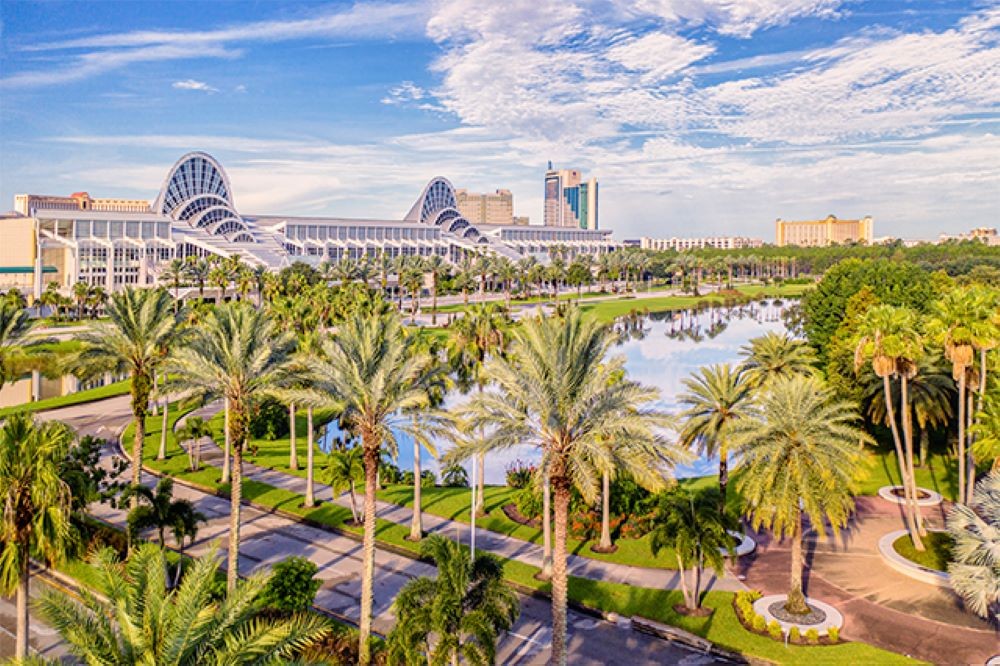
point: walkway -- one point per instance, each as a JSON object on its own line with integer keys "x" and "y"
{"x": 267, "y": 538}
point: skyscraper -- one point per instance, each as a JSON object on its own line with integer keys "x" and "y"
{"x": 569, "y": 200}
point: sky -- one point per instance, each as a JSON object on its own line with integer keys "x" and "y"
{"x": 698, "y": 117}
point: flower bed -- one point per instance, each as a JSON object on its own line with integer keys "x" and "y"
{"x": 755, "y": 623}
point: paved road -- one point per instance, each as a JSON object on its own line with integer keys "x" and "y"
{"x": 268, "y": 538}
{"x": 43, "y": 639}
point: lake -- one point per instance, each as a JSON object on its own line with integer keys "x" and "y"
{"x": 660, "y": 350}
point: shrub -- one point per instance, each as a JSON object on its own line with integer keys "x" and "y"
{"x": 758, "y": 622}
{"x": 292, "y": 586}
{"x": 427, "y": 479}
{"x": 812, "y": 636}
{"x": 455, "y": 476}
{"x": 269, "y": 421}
{"x": 794, "y": 634}
{"x": 528, "y": 503}
{"x": 833, "y": 633}
{"x": 774, "y": 629}
{"x": 519, "y": 473}
{"x": 389, "y": 474}
{"x": 755, "y": 595}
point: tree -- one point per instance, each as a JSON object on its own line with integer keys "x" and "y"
{"x": 194, "y": 430}
{"x": 437, "y": 268}
{"x": 175, "y": 273}
{"x": 36, "y": 505}
{"x": 141, "y": 330}
{"x": 455, "y": 476}
{"x": 802, "y": 457}
{"x": 292, "y": 586}
{"x": 888, "y": 336}
{"x": 974, "y": 571}
{"x": 81, "y": 291}
{"x": 775, "y": 355}
{"x": 197, "y": 271}
{"x": 691, "y": 525}
{"x": 554, "y": 392}
{"x": 343, "y": 470}
{"x": 158, "y": 509}
{"x": 15, "y": 325}
{"x": 145, "y": 622}
{"x": 716, "y": 397}
{"x": 369, "y": 374}
{"x": 241, "y": 355}
{"x": 457, "y": 615}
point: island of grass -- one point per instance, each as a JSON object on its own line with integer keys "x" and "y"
{"x": 937, "y": 554}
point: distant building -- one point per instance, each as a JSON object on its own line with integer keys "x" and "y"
{"x": 810, "y": 233}
{"x": 569, "y": 200}
{"x": 681, "y": 244}
{"x": 488, "y": 208}
{"x": 986, "y": 235}
{"x": 521, "y": 220}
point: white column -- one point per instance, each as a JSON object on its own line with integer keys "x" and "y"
{"x": 109, "y": 278}
{"x": 37, "y": 286}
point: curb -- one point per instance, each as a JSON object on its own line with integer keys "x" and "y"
{"x": 905, "y": 566}
{"x": 932, "y": 499}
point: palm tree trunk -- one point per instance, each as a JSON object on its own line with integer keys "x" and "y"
{"x": 723, "y": 477}
{"x": 970, "y": 487}
{"x": 310, "y": 489}
{"x": 605, "y": 544}
{"x": 961, "y": 437}
{"x": 293, "y": 455}
{"x": 924, "y": 444}
{"x": 904, "y": 477}
{"x": 481, "y": 484}
{"x": 904, "y": 395}
{"x": 796, "y": 602}
{"x": 368, "y": 567}
{"x": 682, "y": 577}
{"x": 416, "y": 524}
{"x": 434, "y": 302}
{"x": 140, "y": 402}
{"x": 546, "y": 572}
{"x": 238, "y": 430}
{"x": 23, "y": 589}
{"x": 354, "y": 503}
{"x": 162, "y": 453}
{"x": 699, "y": 566}
{"x": 559, "y": 582}
{"x": 228, "y": 445}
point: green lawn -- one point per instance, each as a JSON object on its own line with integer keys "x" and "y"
{"x": 940, "y": 474}
{"x": 99, "y": 393}
{"x": 937, "y": 555}
{"x": 722, "y": 627}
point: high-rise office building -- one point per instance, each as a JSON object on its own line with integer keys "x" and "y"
{"x": 487, "y": 208}
{"x": 569, "y": 200}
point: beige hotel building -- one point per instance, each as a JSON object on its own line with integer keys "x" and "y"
{"x": 818, "y": 233}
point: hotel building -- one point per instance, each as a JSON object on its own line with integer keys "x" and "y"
{"x": 810, "y": 233}
{"x": 488, "y": 208}
{"x": 118, "y": 242}
{"x": 569, "y": 200}
{"x": 717, "y": 242}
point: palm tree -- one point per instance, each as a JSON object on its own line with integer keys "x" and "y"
{"x": 437, "y": 268}
{"x": 175, "y": 273}
{"x": 413, "y": 278}
{"x": 716, "y": 397}
{"x": 776, "y": 355}
{"x": 887, "y": 335}
{"x": 142, "y": 327}
{"x": 479, "y": 335}
{"x": 343, "y": 470}
{"x": 197, "y": 271}
{"x": 370, "y": 373}
{"x": 436, "y": 387}
{"x": 145, "y": 622}
{"x": 985, "y": 325}
{"x": 81, "y": 290}
{"x": 195, "y": 430}
{"x": 801, "y": 457}
{"x": 219, "y": 277}
{"x": 554, "y": 392}
{"x": 158, "y": 509}
{"x": 240, "y": 354}
{"x": 307, "y": 349}
{"x": 974, "y": 571}
{"x": 458, "y": 615}
{"x": 37, "y": 504}
{"x": 691, "y": 525}
{"x": 15, "y": 325}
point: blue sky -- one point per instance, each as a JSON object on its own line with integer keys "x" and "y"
{"x": 697, "y": 116}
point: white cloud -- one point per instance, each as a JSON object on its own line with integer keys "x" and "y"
{"x": 406, "y": 92}
{"x": 191, "y": 84}
{"x": 740, "y": 18}
{"x": 658, "y": 55}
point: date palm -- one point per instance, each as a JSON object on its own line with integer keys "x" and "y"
{"x": 555, "y": 392}
{"x": 343, "y": 471}
{"x": 802, "y": 457}
{"x": 371, "y": 374}
{"x": 436, "y": 267}
{"x": 144, "y": 622}
{"x": 776, "y": 355}
{"x": 15, "y": 325}
{"x": 241, "y": 355}
{"x": 691, "y": 525}
{"x": 141, "y": 329}
{"x": 197, "y": 271}
{"x": 715, "y": 398}
{"x": 458, "y": 614}
{"x": 175, "y": 273}
{"x": 974, "y": 571}
{"x": 36, "y": 507}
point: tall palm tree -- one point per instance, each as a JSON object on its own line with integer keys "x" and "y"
{"x": 436, "y": 387}
{"x": 343, "y": 470}
{"x": 81, "y": 290}
{"x": 554, "y": 392}
{"x": 476, "y": 337}
{"x": 437, "y": 268}
{"x": 307, "y": 349}
{"x": 145, "y": 622}
{"x": 457, "y": 615}
{"x": 240, "y": 354}
{"x": 15, "y": 325}
{"x": 142, "y": 327}
{"x": 197, "y": 271}
{"x": 36, "y": 503}
{"x": 716, "y": 397}
{"x": 888, "y": 336}
{"x": 370, "y": 373}
{"x": 776, "y": 355}
{"x": 175, "y": 273}
{"x": 801, "y": 458}
{"x": 691, "y": 525}
{"x": 984, "y": 320}
{"x": 974, "y": 571}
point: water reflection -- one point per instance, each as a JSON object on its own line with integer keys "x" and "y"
{"x": 660, "y": 349}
